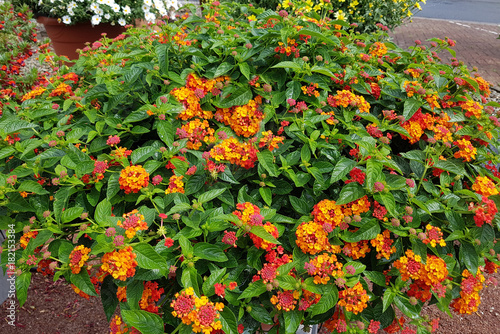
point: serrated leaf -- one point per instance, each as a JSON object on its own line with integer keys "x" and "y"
{"x": 22, "y": 285}
{"x": 259, "y": 313}
{"x": 261, "y": 232}
{"x": 367, "y": 231}
{"x": 209, "y": 252}
{"x": 350, "y": 192}
{"x": 103, "y": 212}
{"x": 288, "y": 64}
{"x": 143, "y": 321}
{"x": 341, "y": 169}
{"x": 266, "y": 159}
{"x": 266, "y": 195}
{"x": 327, "y": 301}
{"x": 411, "y": 106}
{"x": 142, "y": 153}
{"x": 148, "y": 258}
{"x": 71, "y": 214}
{"x": 254, "y": 289}
{"x": 82, "y": 282}
{"x": 237, "y": 98}
{"x": 210, "y": 195}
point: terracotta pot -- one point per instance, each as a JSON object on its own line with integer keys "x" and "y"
{"x": 66, "y": 39}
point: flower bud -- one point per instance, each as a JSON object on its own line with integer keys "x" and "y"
{"x": 413, "y": 231}
{"x": 422, "y": 236}
{"x": 356, "y": 218}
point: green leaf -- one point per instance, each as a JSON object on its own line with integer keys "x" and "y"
{"x": 113, "y": 186}
{"x": 254, "y": 289}
{"x": 103, "y": 212}
{"x": 288, "y": 64}
{"x": 358, "y": 266}
{"x": 299, "y": 205}
{"x": 469, "y": 257}
{"x": 376, "y": 277}
{"x": 292, "y": 321}
{"x": 342, "y": 168}
{"x": 266, "y": 159}
{"x": 166, "y": 132}
{"x": 350, "y": 192}
{"x": 328, "y": 39}
{"x": 215, "y": 277}
{"x": 238, "y": 98}
{"x": 22, "y": 285}
{"x": 322, "y": 70}
{"x": 287, "y": 282}
{"x": 305, "y": 153}
{"x": 189, "y": 279}
{"x": 293, "y": 90}
{"x": 245, "y": 70}
{"x": 142, "y": 153}
{"x": 388, "y": 298}
{"x": 266, "y": 195}
{"x": 223, "y": 69}
{"x": 210, "y": 195}
{"x": 404, "y": 305}
{"x": 209, "y": 252}
{"x": 367, "y": 231}
{"x": 453, "y": 166}
{"x": 261, "y": 232}
{"x": 410, "y": 107}
{"x": 373, "y": 173}
{"x": 33, "y": 187}
{"x": 387, "y": 198}
{"x": 327, "y": 301}
{"x": 109, "y": 299}
{"x": 148, "y": 258}
{"x": 143, "y": 321}
{"x": 71, "y": 214}
{"x": 259, "y": 313}
{"x": 134, "y": 294}
{"x": 228, "y": 321}
{"x": 82, "y": 282}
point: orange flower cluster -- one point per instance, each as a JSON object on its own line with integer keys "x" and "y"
{"x": 356, "y": 250}
{"x": 412, "y": 87}
{"x": 249, "y": 214}
{"x": 290, "y": 47}
{"x": 328, "y": 214}
{"x": 465, "y": 150}
{"x": 310, "y": 90}
{"x": 133, "y": 178}
{"x": 312, "y": 238}
{"x": 80, "y": 292}
{"x": 286, "y": 300}
{"x": 26, "y": 237}
{"x": 34, "y": 93}
{"x": 416, "y": 125}
{"x": 323, "y": 266}
{"x": 354, "y": 299}
{"x": 119, "y": 264}
{"x": 469, "y": 299}
{"x": 382, "y": 244}
{"x": 190, "y": 95}
{"x": 378, "y": 49}
{"x": 357, "y": 207}
{"x": 244, "y": 120}
{"x": 62, "y": 89}
{"x": 78, "y": 257}
{"x": 133, "y": 223}
{"x": 175, "y": 185}
{"x": 346, "y": 98}
{"x": 424, "y": 276}
{"x": 434, "y": 236}
{"x": 200, "y": 313}
{"x": 484, "y": 186}
{"x": 241, "y": 154}
{"x": 150, "y": 295}
{"x": 472, "y": 108}
{"x": 117, "y": 326}
{"x": 270, "y": 140}
{"x": 197, "y": 132}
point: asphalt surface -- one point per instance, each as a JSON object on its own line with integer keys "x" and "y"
{"x": 481, "y": 11}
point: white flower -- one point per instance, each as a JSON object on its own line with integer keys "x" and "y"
{"x": 173, "y": 3}
{"x": 72, "y": 5}
{"x": 122, "y": 22}
{"x": 94, "y": 7}
{"x": 101, "y": 2}
{"x": 71, "y": 12}
{"x": 116, "y": 8}
{"x": 145, "y": 9}
{"x": 99, "y": 12}
{"x": 107, "y": 16}
{"x": 149, "y": 17}
{"x": 126, "y": 10}
{"x": 66, "y": 19}
{"x": 148, "y": 3}
{"x": 96, "y": 19}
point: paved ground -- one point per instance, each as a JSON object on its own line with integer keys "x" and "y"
{"x": 476, "y": 43}
{"x": 485, "y": 11}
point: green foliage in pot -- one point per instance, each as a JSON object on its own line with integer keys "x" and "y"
{"x": 246, "y": 167}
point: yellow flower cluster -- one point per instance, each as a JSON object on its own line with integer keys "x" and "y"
{"x": 78, "y": 257}
{"x": 327, "y": 212}
{"x": 469, "y": 299}
{"x": 346, "y": 98}
{"x": 175, "y": 185}
{"x": 133, "y": 222}
{"x": 230, "y": 149}
{"x": 200, "y": 313}
{"x": 354, "y": 299}
{"x": 383, "y": 245}
{"x": 133, "y": 178}
{"x": 484, "y": 186}
{"x": 244, "y": 120}
{"x": 312, "y": 238}
{"x": 35, "y": 92}
{"x": 197, "y": 132}
{"x": 120, "y": 264}
{"x": 378, "y": 49}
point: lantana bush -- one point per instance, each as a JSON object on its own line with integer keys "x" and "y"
{"x": 249, "y": 170}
